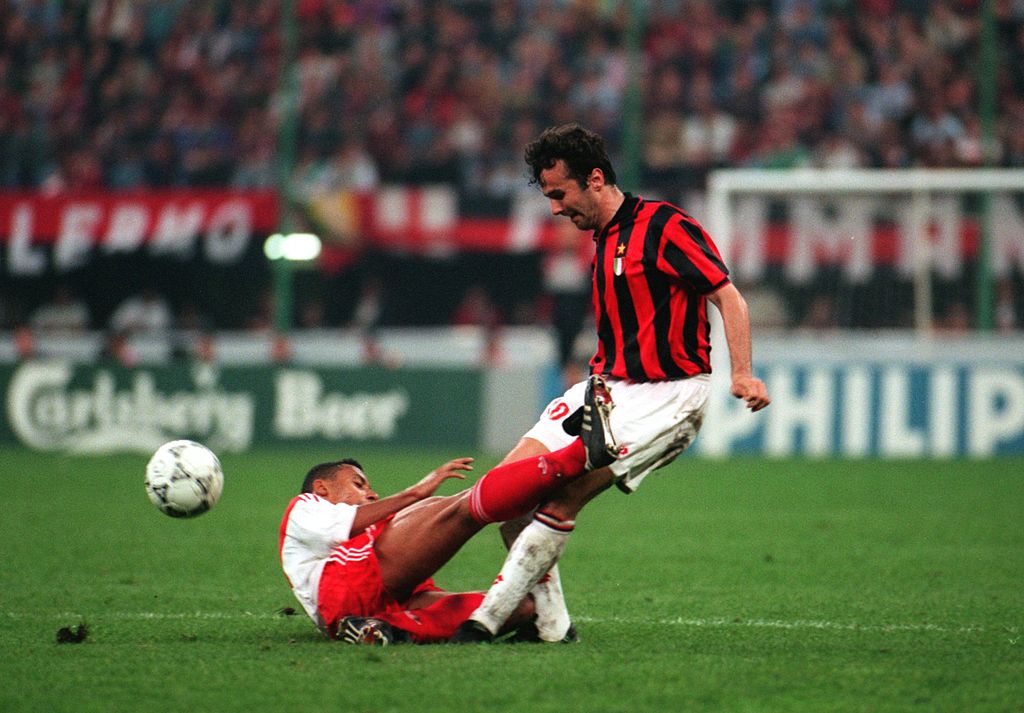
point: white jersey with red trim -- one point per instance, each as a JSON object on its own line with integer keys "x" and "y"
{"x": 311, "y": 531}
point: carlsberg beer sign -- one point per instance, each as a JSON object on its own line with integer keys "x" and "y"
{"x": 933, "y": 405}
{"x": 50, "y": 406}
{"x": 59, "y": 406}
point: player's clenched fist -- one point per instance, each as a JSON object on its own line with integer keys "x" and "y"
{"x": 752, "y": 390}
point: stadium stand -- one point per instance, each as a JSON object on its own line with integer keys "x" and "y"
{"x": 130, "y": 94}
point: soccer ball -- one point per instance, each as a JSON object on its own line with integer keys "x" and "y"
{"x": 184, "y": 478}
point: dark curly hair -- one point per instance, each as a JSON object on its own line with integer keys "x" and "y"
{"x": 581, "y": 149}
{"x": 326, "y": 471}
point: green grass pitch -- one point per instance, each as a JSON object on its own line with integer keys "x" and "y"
{"x": 740, "y": 585}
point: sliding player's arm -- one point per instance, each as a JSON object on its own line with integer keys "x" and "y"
{"x": 370, "y": 513}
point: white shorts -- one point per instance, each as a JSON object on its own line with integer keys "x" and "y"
{"x": 654, "y": 422}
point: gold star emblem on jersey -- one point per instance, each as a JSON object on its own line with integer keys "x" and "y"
{"x": 620, "y": 249}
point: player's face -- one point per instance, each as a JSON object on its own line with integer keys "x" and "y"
{"x": 579, "y": 205}
{"x": 349, "y": 486}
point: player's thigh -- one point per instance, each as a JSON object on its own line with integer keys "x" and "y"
{"x": 654, "y": 423}
{"x": 526, "y": 448}
{"x": 421, "y": 539}
{"x": 549, "y": 432}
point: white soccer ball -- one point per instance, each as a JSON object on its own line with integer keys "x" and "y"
{"x": 184, "y": 478}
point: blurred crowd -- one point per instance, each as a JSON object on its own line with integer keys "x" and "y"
{"x": 126, "y": 94}
{"x": 130, "y": 93}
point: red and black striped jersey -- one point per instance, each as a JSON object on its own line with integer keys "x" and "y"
{"x": 653, "y": 267}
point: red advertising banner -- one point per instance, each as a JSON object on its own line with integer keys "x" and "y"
{"x": 38, "y": 232}
{"x": 217, "y": 225}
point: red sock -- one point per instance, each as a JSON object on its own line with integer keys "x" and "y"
{"x": 514, "y": 489}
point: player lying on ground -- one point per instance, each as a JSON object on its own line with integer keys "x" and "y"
{"x": 655, "y": 270}
{"x": 349, "y": 555}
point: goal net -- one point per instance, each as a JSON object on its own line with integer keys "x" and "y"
{"x": 931, "y": 250}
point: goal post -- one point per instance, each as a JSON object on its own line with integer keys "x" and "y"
{"x": 923, "y": 223}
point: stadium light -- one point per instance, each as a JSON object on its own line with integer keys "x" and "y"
{"x": 293, "y": 247}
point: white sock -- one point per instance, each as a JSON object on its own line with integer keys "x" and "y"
{"x": 533, "y": 553}
{"x": 552, "y": 615}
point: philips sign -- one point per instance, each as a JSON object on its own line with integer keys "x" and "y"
{"x": 936, "y": 405}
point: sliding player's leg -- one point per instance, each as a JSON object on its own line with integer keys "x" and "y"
{"x": 423, "y": 537}
{"x": 532, "y": 556}
{"x": 530, "y": 565}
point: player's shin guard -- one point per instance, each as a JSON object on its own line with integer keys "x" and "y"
{"x": 533, "y": 553}
{"x": 513, "y": 489}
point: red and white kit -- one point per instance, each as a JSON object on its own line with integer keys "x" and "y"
{"x": 334, "y": 575}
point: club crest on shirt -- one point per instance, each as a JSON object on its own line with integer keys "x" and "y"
{"x": 620, "y": 251}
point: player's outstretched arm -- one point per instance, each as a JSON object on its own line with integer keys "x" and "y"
{"x": 432, "y": 480}
{"x": 736, "y": 320}
{"x": 370, "y": 513}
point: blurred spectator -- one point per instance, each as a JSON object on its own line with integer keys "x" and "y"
{"x": 63, "y": 313}
{"x": 146, "y": 312}
{"x": 191, "y": 338}
{"x": 476, "y": 309}
{"x": 838, "y": 152}
{"x": 780, "y": 146}
{"x": 708, "y": 132}
{"x": 945, "y": 30}
{"x": 312, "y": 314}
{"x": 956, "y": 319}
{"x": 1014, "y": 151}
{"x": 367, "y": 317}
{"x": 934, "y": 131}
{"x": 891, "y": 98}
{"x": 118, "y": 347}
{"x": 567, "y": 283}
{"x": 262, "y": 318}
{"x": 354, "y": 167}
{"x": 969, "y": 146}
{"x": 189, "y": 318}
{"x": 370, "y": 307}
{"x": 766, "y": 306}
{"x": 662, "y": 141}
{"x": 820, "y": 314}
{"x": 312, "y": 174}
{"x": 1007, "y": 317}
{"x": 258, "y": 167}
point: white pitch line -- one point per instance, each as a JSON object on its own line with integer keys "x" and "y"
{"x": 722, "y": 622}
{"x": 700, "y": 623}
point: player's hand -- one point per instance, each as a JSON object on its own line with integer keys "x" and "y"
{"x": 432, "y": 481}
{"x": 752, "y": 390}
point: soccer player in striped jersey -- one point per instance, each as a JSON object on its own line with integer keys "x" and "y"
{"x": 361, "y": 566}
{"x": 654, "y": 272}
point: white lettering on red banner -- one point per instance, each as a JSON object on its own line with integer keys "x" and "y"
{"x": 75, "y": 228}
